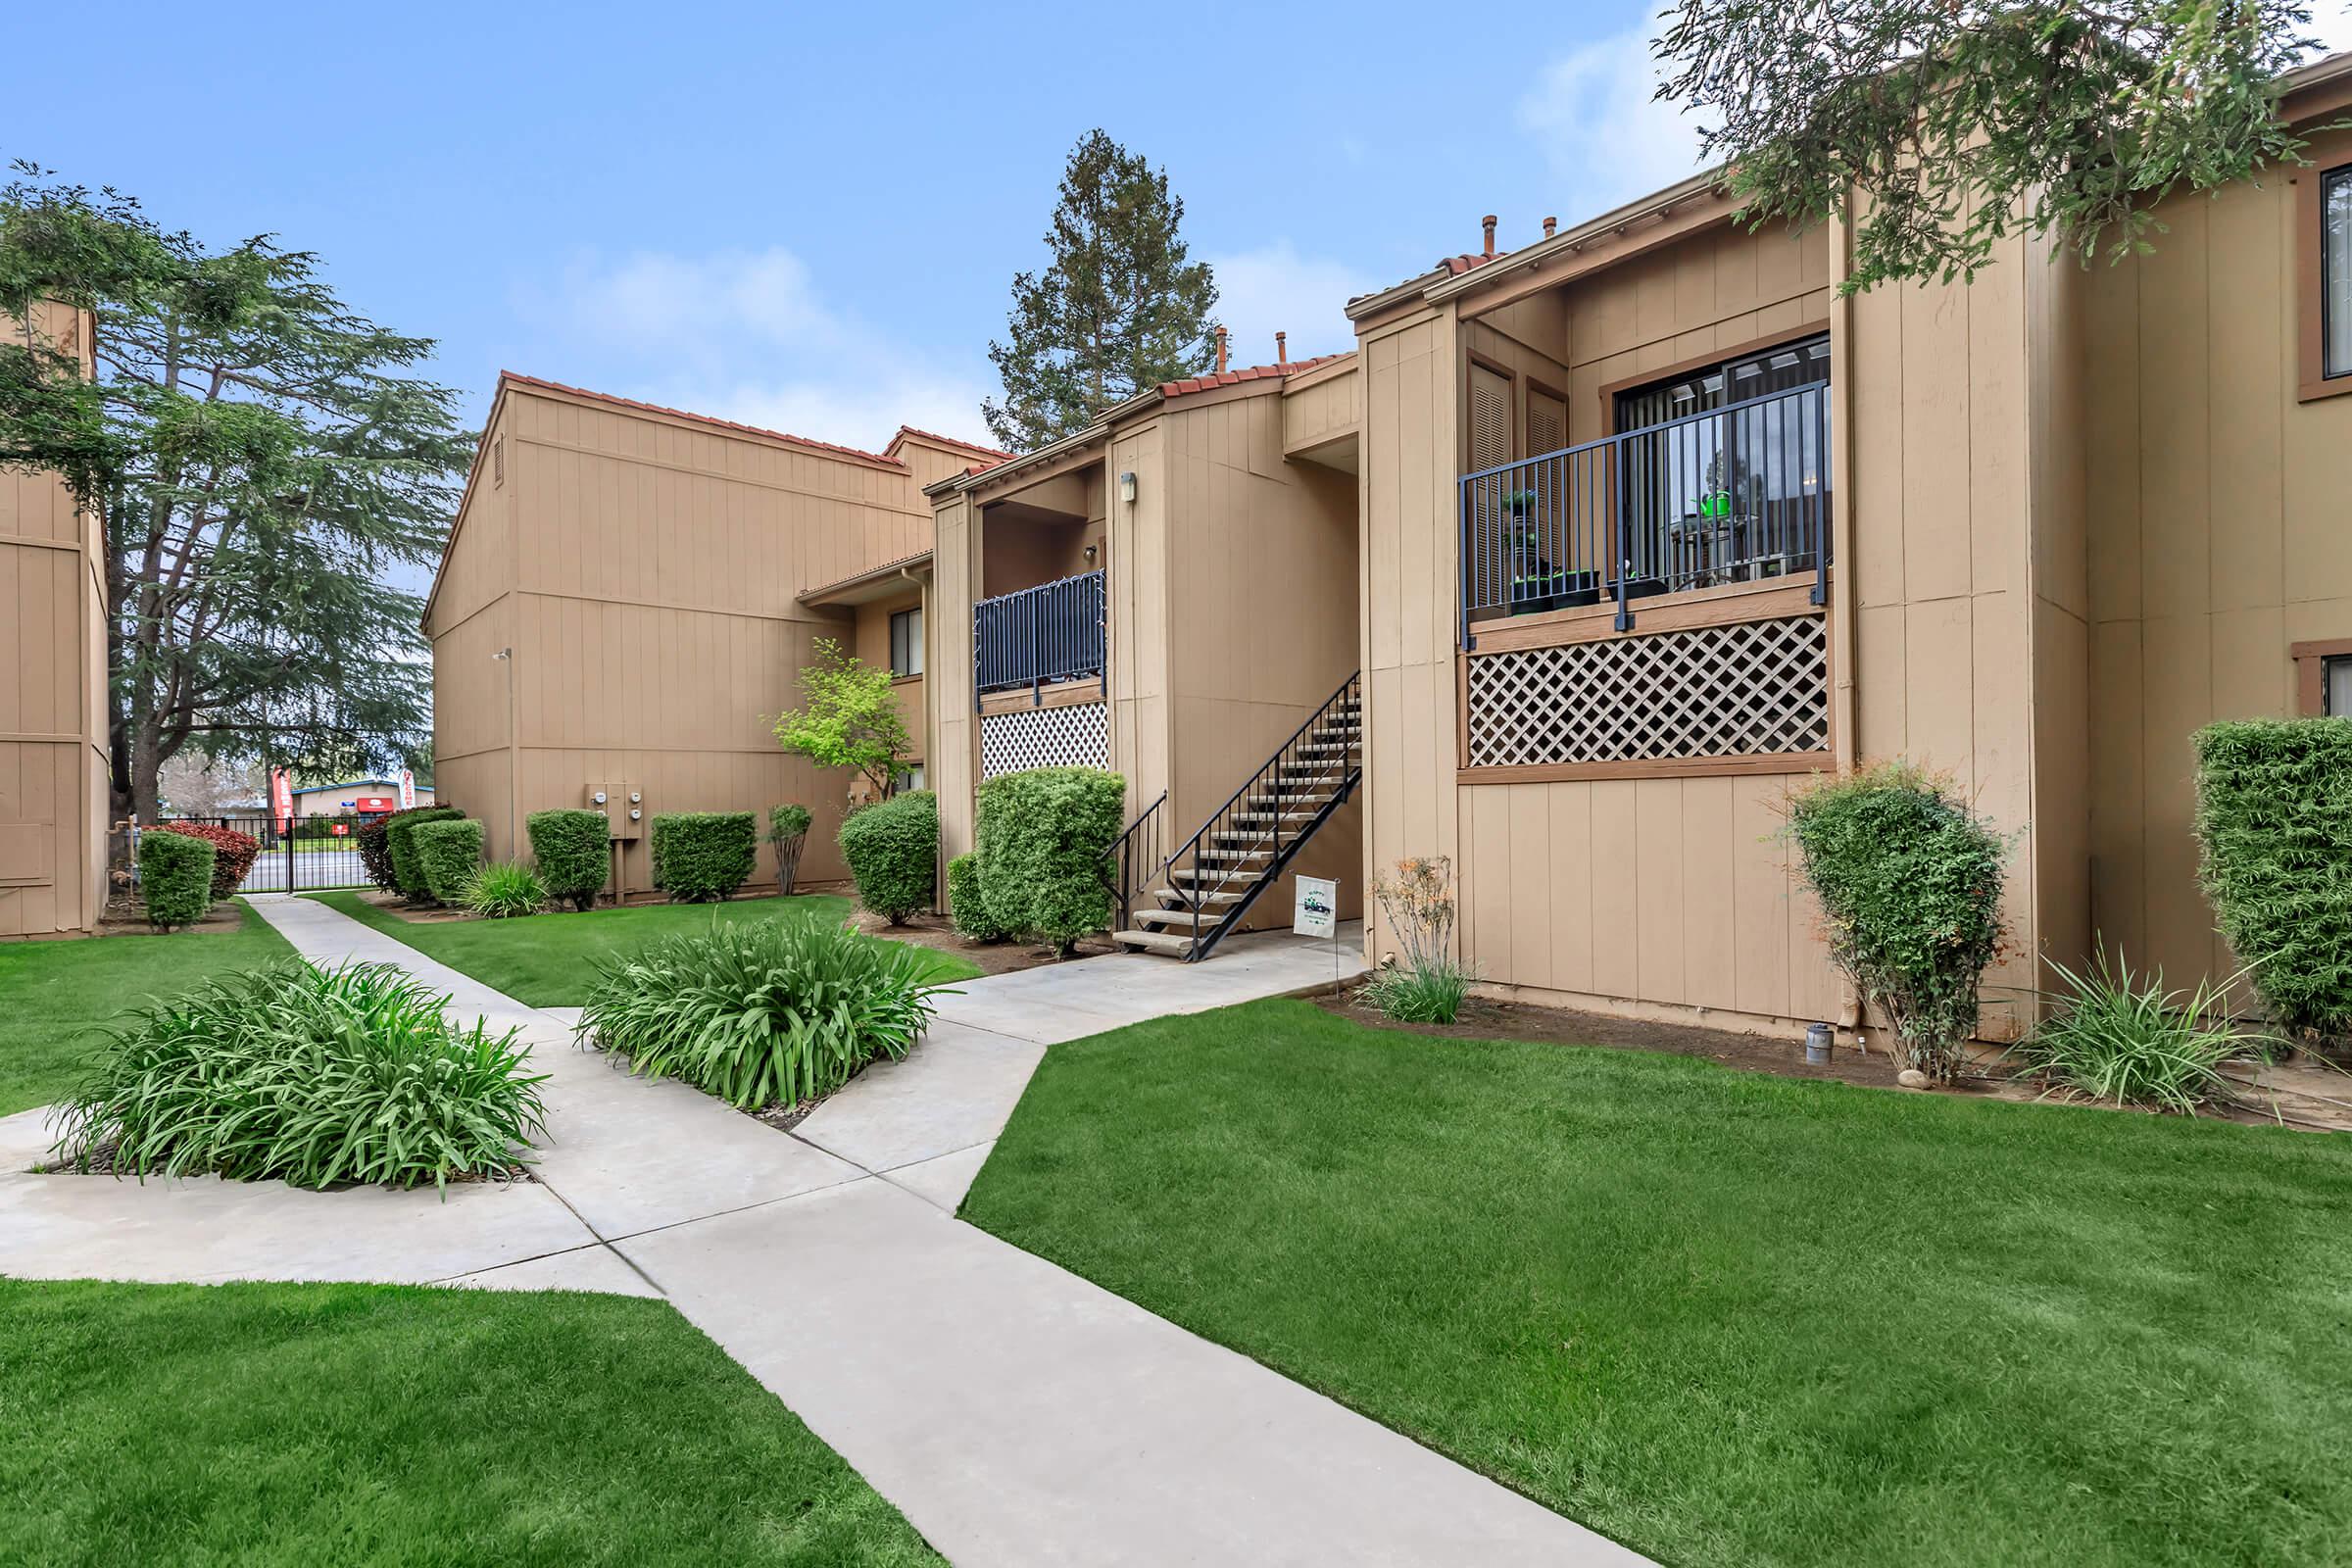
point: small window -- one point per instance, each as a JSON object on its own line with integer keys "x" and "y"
{"x": 910, "y": 779}
{"x": 2336, "y": 686}
{"x": 2335, "y": 273}
{"x": 907, "y": 641}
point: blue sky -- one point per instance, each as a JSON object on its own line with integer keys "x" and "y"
{"x": 807, "y": 216}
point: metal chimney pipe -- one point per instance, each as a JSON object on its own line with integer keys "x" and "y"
{"x": 1550, "y": 224}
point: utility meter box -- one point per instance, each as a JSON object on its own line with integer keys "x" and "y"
{"x": 628, "y": 812}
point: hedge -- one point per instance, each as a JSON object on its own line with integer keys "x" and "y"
{"x": 573, "y": 849}
{"x": 232, "y": 852}
{"x": 2275, "y": 835}
{"x": 703, "y": 857}
{"x": 408, "y": 874}
{"x": 1042, "y": 839}
{"x": 966, "y": 905}
{"x": 893, "y": 850}
{"x": 176, "y": 877}
{"x": 449, "y": 852}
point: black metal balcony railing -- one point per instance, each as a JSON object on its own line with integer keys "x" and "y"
{"x": 1736, "y": 494}
{"x": 1039, "y": 635}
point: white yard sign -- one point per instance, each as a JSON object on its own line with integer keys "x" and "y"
{"x": 1318, "y": 911}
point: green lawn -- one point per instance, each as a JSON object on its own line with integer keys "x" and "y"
{"x": 51, "y": 993}
{"x": 543, "y": 959}
{"x": 1726, "y": 1317}
{"x": 302, "y": 1424}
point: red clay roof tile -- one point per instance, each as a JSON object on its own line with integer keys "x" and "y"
{"x": 1252, "y": 372}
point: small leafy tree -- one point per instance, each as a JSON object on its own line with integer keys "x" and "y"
{"x": 1940, "y": 127}
{"x": 849, "y": 717}
{"x": 1909, "y": 882}
{"x": 1119, "y": 307}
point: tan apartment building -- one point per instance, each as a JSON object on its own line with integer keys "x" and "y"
{"x": 1170, "y": 593}
{"x": 1655, "y": 526}
{"x": 628, "y": 597}
{"x": 53, "y": 709}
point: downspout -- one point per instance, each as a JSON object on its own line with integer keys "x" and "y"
{"x": 939, "y": 857}
{"x": 1844, "y": 703}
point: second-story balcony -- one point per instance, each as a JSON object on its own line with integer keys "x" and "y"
{"x": 1039, "y": 636}
{"x": 1734, "y": 494}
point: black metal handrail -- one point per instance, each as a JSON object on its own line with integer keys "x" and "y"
{"x": 1054, "y": 631}
{"x": 1734, "y": 494}
{"x": 1289, "y": 771}
{"x": 1136, "y": 845}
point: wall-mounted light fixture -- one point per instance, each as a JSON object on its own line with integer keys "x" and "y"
{"x": 1091, "y": 551}
{"x": 1127, "y": 488}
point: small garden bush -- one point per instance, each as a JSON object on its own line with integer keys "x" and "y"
{"x": 400, "y": 847}
{"x": 761, "y": 1013}
{"x": 504, "y": 890}
{"x": 968, "y": 904}
{"x": 354, "y": 1074}
{"x": 2111, "y": 1037}
{"x": 176, "y": 877}
{"x": 2275, "y": 831}
{"x": 573, "y": 849}
{"x": 788, "y": 835}
{"x": 1043, "y": 839}
{"x": 703, "y": 856}
{"x": 1427, "y": 984}
{"x": 1909, "y": 882}
{"x": 448, "y": 853}
{"x": 893, "y": 850}
{"x": 233, "y": 853}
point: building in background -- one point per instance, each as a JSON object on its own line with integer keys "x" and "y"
{"x": 358, "y": 797}
{"x": 53, "y": 709}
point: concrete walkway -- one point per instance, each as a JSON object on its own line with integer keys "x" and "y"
{"x": 1015, "y": 1413}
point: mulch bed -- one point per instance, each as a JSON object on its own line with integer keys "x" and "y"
{"x": 934, "y": 931}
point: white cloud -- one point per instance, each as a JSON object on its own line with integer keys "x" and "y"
{"x": 1275, "y": 289}
{"x": 1606, "y": 136}
{"x": 747, "y": 336}
{"x": 2332, "y": 27}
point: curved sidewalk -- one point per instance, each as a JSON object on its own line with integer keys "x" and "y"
{"x": 1015, "y": 1413}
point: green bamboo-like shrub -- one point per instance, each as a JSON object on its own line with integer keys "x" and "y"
{"x": 573, "y": 850}
{"x": 351, "y": 1075}
{"x": 448, "y": 853}
{"x": 2275, "y": 833}
{"x": 893, "y": 850}
{"x": 176, "y": 877}
{"x": 400, "y": 847}
{"x": 703, "y": 856}
{"x": 1043, "y": 840}
{"x": 505, "y": 890}
{"x": 761, "y": 1013}
{"x": 1909, "y": 882}
{"x": 2123, "y": 1039}
{"x": 967, "y": 902}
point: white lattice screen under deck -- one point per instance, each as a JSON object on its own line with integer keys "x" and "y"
{"x": 1075, "y": 736}
{"x": 1755, "y": 688}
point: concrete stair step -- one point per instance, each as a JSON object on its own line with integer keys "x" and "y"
{"x": 1171, "y": 898}
{"x": 1162, "y": 942}
{"x": 1167, "y": 917}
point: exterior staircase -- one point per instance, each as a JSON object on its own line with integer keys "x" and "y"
{"x": 1203, "y": 890}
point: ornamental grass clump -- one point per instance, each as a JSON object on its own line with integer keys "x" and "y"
{"x": 762, "y": 1012}
{"x": 504, "y": 890}
{"x": 2275, "y": 832}
{"x": 355, "y": 1074}
{"x": 1909, "y": 883}
{"x": 1425, "y": 983}
{"x": 2119, "y": 1039}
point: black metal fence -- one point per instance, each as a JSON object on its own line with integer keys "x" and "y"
{"x": 309, "y": 855}
{"x": 1039, "y": 635}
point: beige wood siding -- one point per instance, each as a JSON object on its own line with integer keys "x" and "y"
{"x": 1321, "y": 406}
{"x": 1137, "y": 599}
{"x": 870, "y": 642}
{"x": 53, "y": 714}
{"x": 954, "y": 763}
{"x": 2218, "y": 538}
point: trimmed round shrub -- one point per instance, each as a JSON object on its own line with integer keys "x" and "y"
{"x": 967, "y": 906}
{"x": 1044, "y": 839}
{"x": 1909, "y": 882}
{"x": 2275, "y": 836}
{"x": 573, "y": 849}
{"x": 176, "y": 877}
{"x": 703, "y": 856}
{"x": 761, "y": 1013}
{"x": 788, "y": 835}
{"x": 449, "y": 854}
{"x": 505, "y": 890}
{"x": 232, "y": 852}
{"x": 351, "y": 1075}
{"x": 893, "y": 850}
{"x": 400, "y": 828}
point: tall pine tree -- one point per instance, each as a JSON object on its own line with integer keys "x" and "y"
{"x": 265, "y": 465}
{"x": 1118, "y": 309}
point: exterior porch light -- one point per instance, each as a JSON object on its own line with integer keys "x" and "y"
{"x": 1127, "y": 488}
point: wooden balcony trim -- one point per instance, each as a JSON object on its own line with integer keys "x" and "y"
{"x": 1767, "y": 599}
{"x": 1061, "y": 694}
{"x": 1783, "y": 763}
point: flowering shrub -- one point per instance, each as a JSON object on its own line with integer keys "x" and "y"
{"x": 232, "y": 852}
{"x": 1428, "y": 984}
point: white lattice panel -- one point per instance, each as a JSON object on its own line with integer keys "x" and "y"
{"x": 1075, "y": 736}
{"x": 1745, "y": 690}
